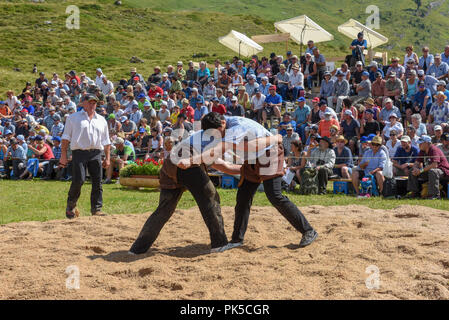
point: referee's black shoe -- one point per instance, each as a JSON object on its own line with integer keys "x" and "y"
{"x": 72, "y": 214}
{"x": 308, "y": 238}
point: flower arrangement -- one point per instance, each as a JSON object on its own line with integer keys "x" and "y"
{"x": 149, "y": 167}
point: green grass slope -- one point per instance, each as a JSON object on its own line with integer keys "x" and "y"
{"x": 162, "y": 32}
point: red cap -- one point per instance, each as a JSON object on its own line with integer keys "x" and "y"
{"x": 25, "y": 110}
{"x": 136, "y": 78}
{"x": 316, "y": 99}
{"x": 272, "y": 87}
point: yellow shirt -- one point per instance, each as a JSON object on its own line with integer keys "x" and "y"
{"x": 174, "y": 117}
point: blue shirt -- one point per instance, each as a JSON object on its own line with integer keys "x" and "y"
{"x": 300, "y": 115}
{"x": 30, "y": 109}
{"x": 429, "y": 61}
{"x": 431, "y": 84}
{"x": 372, "y": 75}
{"x": 375, "y": 161}
{"x": 345, "y": 157}
{"x": 202, "y": 73}
{"x": 439, "y": 71}
{"x": 199, "y": 113}
{"x": 194, "y": 100}
{"x": 419, "y": 98}
{"x": 444, "y": 58}
{"x": 57, "y": 152}
{"x": 18, "y": 153}
{"x": 276, "y": 99}
{"x": 402, "y": 156}
{"x": 283, "y": 132}
{"x": 356, "y": 42}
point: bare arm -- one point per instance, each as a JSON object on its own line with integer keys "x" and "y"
{"x": 226, "y": 167}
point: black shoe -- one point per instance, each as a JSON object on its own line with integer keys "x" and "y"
{"x": 308, "y": 238}
{"x": 72, "y": 214}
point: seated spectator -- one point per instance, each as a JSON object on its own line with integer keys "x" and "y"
{"x": 192, "y": 73}
{"x": 356, "y": 76}
{"x": 343, "y": 161}
{"x": 286, "y": 121}
{"x": 323, "y": 159}
{"x": 272, "y": 105}
{"x": 396, "y": 68}
{"x": 315, "y": 111}
{"x": 42, "y": 151}
{"x": 441, "y": 86}
{"x": 243, "y": 98}
{"x": 187, "y": 110}
{"x": 372, "y": 163}
{"x": 264, "y": 86}
{"x": 236, "y": 81}
{"x": 235, "y": 109}
{"x": 437, "y": 138}
{"x": 53, "y": 163}
{"x": 15, "y": 160}
{"x": 350, "y": 128}
{"x": 334, "y": 131}
{"x": 347, "y": 105}
{"x": 128, "y": 127}
{"x": 393, "y": 124}
{"x": 325, "y": 124}
{"x": 257, "y": 105}
{"x": 217, "y": 106}
{"x": 411, "y": 133}
{"x": 439, "y": 112}
{"x": 327, "y": 86}
{"x": 439, "y": 69}
{"x": 301, "y": 117}
{"x": 297, "y": 160}
{"x": 394, "y": 88}
{"x": 444, "y": 145}
{"x": 203, "y": 73}
{"x": 340, "y": 92}
{"x": 429, "y": 81}
{"x": 410, "y": 56}
{"x": 374, "y": 70}
{"x": 422, "y": 101}
{"x": 156, "y": 147}
{"x": 281, "y": 81}
{"x": 288, "y": 138}
{"x": 369, "y": 104}
{"x": 163, "y": 114}
{"x": 412, "y": 67}
{"x": 320, "y": 63}
{"x": 410, "y": 89}
{"x": 120, "y": 157}
{"x": 426, "y": 60}
{"x": 296, "y": 82}
{"x": 387, "y": 111}
{"x": 405, "y": 157}
{"x": 363, "y": 89}
{"x": 431, "y": 166}
{"x": 324, "y": 108}
{"x": 368, "y": 124}
{"x": 357, "y": 46}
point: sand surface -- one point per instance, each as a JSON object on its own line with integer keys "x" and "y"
{"x": 409, "y": 245}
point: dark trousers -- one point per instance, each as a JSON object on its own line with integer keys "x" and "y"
{"x": 90, "y": 159}
{"x": 14, "y": 165}
{"x": 433, "y": 177}
{"x": 50, "y": 168}
{"x": 272, "y": 188}
{"x": 323, "y": 178}
{"x": 197, "y": 181}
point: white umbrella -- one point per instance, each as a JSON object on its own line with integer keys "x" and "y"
{"x": 303, "y": 29}
{"x": 352, "y": 27}
{"x": 240, "y": 43}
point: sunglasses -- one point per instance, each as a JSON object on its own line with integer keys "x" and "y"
{"x": 375, "y": 144}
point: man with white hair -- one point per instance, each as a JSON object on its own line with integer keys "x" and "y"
{"x": 106, "y": 86}
{"x": 67, "y": 103}
{"x": 339, "y": 92}
{"x": 165, "y": 83}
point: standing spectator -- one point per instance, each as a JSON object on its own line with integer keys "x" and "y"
{"x": 106, "y": 87}
{"x": 431, "y": 166}
{"x": 320, "y": 63}
{"x": 309, "y": 70}
{"x": 40, "y": 80}
{"x": 87, "y": 133}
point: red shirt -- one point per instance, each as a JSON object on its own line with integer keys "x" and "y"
{"x": 152, "y": 93}
{"x": 189, "y": 112}
{"x": 221, "y": 109}
{"x": 77, "y": 79}
{"x": 48, "y": 154}
{"x": 435, "y": 155}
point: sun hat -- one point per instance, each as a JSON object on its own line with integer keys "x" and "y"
{"x": 405, "y": 139}
{"x": 377, "y": 139}
{"x": 424, "y": 139}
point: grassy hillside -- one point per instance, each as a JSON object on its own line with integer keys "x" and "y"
{"x": 161, "y": 32}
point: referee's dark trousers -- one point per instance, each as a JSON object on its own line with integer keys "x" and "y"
{"x": 90, "y": 159}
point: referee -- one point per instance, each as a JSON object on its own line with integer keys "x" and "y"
{"x": 87, "y": 133}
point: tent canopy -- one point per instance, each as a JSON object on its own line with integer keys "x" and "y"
{"x": 240, "y": 43}
{"x": 303, "y": 29}
{"x": 352, "y": 27}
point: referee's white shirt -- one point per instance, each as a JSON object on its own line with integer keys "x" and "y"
{"x": 84, "y": 133}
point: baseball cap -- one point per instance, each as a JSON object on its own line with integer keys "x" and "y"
{"x": 164, "y": 103}
{"x": 392, "y": 74}
{"x": 316, "y": 99}
{"x": 256, "y": 90}
{"x": 348, "y": 113}
{"x": 119, "y": 141}
{"x": 13, "y": 141}
{"x": 327, "y": 73}
{"x": 56, "y": 139}
{"x": 111, "y": 116}
{"x": 359, "y": 63}
{"x": 39, "y": 138}
{"x": 301, "y": 99}
{"x": 394, "y": 115}
{"x": 272, "y": 87}
{"x": 364, "y": 73}
{"x": 168, "y": 129}
{"x": 363, "y": 139}
{"x": 420, "y": 72}
{"x": 370, "y": 137}
{"x": 142, "y": 130}
{"x": 424, "y": 138}
{"x": 405, "y": 139}
{"x": 373, "y": 64}
{"x": 234, "y": 98}
{"x": 215, "y": 99}
{"x": 147, "y": 104}
{"x": 8, "y": 132}
{"x": 140, "y": 96}
{"x": 441, "y": 83}
{"x": 437, "y": 127}
{"x": 91, "y": 97}
{"x": 135, "y": 106}
{"x": 123, "y": 119}
{"x": 20, "y": 137}
{"x": 367, "y": 111}
{"x": 322, "y": 103}
{"x": 421, "y": 83}
{"x": 56, "y": 117}
{"x": 339, "y": 73}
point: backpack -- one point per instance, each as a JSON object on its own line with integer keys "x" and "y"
{"x": 309, "y": 181}
{"x": 390, "y": 189}
{"x": 368, "y": 186}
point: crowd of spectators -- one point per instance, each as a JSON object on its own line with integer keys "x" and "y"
{"x": 359, "y": 117}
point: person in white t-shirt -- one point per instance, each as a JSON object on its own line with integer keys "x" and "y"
{"x": 393, "y": 143}
{"x": 257, "y": 102}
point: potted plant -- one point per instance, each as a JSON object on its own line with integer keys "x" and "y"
{"x": 142, "y": 173}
